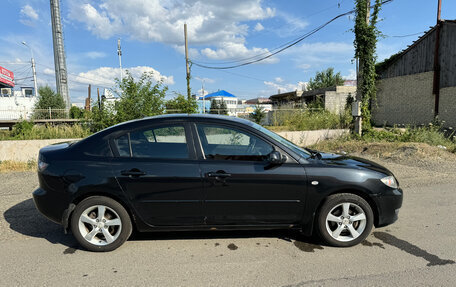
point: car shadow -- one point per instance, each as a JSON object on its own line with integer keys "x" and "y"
{"x": 291, "y": 236}
{"x": 25, "y": 219}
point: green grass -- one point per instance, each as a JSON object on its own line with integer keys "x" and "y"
{"x": 29, "y": 131}
{"x": 305, "y": 120}
{"x": 431, "y": 135}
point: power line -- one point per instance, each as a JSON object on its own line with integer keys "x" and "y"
{"x": 282, "y": 47}
{"x": 403, "y": 36}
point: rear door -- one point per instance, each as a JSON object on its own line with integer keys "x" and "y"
{"x": 241, "y": 187}
{"x": 157, "y": 169}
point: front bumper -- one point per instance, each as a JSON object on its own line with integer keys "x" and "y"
{"x": 51, "y": 205}
{"x": 388, "y": 205}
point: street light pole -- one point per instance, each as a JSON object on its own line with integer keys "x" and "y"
{"x": 33, "y": 68}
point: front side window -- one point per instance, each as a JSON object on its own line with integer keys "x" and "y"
{"x": 226, "y": 143}
{"x": 164, "y": 142}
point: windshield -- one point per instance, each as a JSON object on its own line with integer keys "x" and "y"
{"x": 302, "y": 152}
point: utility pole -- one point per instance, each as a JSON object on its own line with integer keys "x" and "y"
{"x": 61, "y": 77}
{"x": 87, "y": 103}
{"x": 119, "y": 53}
{"x": 202, "y": 92}
{"x": 356, "y": 109}
{"x": 187, "y": 63}
{"x": 32, "y": 60}
{"x": 436, "y": 78}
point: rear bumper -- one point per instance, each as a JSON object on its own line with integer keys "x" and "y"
{"x": 50, "y": 205}
{"x": 388, "y": 205}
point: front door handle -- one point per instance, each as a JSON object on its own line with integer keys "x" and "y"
{"x": 134, "y": 172}
{"x": 218, "y": 174}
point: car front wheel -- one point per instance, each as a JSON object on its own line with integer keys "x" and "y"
{"x": 345, "y": 220}
{"x": 100, "y": 224}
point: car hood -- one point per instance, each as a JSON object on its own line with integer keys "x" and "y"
{"x": 352, "y": 162}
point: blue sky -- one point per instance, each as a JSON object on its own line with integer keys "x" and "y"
{"x": 219, "y": 31}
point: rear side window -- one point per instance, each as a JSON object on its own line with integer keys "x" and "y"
{"x": 164, "y": 142}
{"x": 123, "y": 145}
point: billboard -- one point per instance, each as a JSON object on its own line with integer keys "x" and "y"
{"x": 6, "y": 77}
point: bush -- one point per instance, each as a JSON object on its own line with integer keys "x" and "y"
{"x": 28, "y": 131}
{"x": 301, "y": 120}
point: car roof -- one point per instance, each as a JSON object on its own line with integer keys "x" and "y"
{"x": 123, "y": 125}
{"x": 192, "y": 116}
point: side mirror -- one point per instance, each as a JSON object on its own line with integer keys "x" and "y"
{"x": 276, "y": 157}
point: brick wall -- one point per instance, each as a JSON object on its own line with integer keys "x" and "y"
{"x": 447, "y": 106}
{"x": 404, "y": 100}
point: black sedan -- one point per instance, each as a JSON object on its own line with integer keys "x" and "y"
{"x": 201, "y": 172}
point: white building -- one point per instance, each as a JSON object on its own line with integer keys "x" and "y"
{"x": 230, "y": 100}
{"x": 16, "y": 104}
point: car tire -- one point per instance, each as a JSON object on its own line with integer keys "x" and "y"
{"x": 344, "y": 220}
{"x": 100, "y": 224}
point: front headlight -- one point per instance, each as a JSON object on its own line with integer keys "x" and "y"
{"x": 41, "y": 165}
{"x": 390, "y": 181}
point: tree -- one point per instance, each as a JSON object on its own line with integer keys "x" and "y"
{"x": 180, "y": 104}
{"x": 139, "y": 99}
{"x": 365, "y": 42}
{"x": 258, "y": 114}
{"x": 79, "y": 113}
{"x": 47, "y": 99}
{"x": 325, "y": 79}
{"x": 215, "y": 107}
{"x": 223, "y": 108}
{"x": 136, "y": 99}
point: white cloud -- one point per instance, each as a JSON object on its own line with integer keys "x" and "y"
{"x": 276, "y": 86}
{"x": 215, "y": 23}
{"x": 258, "y": 27}
{"x": 232, "y": 50}
{"x": 351, "y": 75}
{"x": 316, "y": 55}
{"x": 278, "y": 80}
{"x": 29, "y": 12}
{"x": 94, "y": 55}
{"x": 205, "y": 80}
{"x": 28, "y": 15}
{"x": 104, "y": 76}
{"x": 48, "y": 71}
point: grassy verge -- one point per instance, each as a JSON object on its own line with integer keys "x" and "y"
{"x": 28, "y": 131}
{"x": 305, "y": 120}
{"x": 423, "y": 141}
{"x": 14, "y": 166}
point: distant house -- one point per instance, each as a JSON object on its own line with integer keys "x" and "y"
{"x": 14, "y": 104}
{"x": 405, "y": 91}
{"x": 230, "y": 100}
{"x": 333, "y": 98}
{"x": 261, "y": 101}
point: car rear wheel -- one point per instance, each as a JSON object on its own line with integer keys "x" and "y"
{"x": 345, "y": 220}
{"x": 100, "y": 224}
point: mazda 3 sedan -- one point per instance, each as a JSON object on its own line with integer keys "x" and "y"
{"x": 207, "y": 172}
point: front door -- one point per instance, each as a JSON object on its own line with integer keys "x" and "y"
{"x": 160, "y": 175}
{"x": 240, "y": 186}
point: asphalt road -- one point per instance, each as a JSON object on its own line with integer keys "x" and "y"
{"x": 418, "y": 250}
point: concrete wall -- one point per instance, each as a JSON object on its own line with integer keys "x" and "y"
{"x": 404, "y": 100}
{"x": 447, "y": 106}
{"x": 26, "y": 150}
{"x": 335, "y": 100}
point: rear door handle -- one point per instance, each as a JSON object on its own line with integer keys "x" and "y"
{"x": 133, "y": 172}
{"x": 218, "y": 174}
